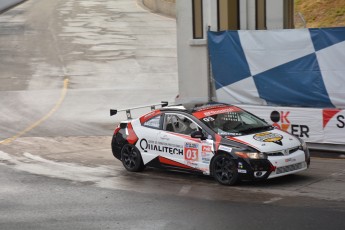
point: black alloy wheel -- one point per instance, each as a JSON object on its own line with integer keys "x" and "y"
{"x": 224, "y": 170}
{"x": 131, "y": 158}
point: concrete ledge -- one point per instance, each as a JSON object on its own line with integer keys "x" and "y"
{"x": 8, "y": 4}
{"x": 165, "y": 7}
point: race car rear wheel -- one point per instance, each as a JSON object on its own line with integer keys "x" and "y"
{"x": 131, "y": 158}
{"x": 224, "y": 170}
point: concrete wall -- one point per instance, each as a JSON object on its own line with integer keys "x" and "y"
{"x": 166, "y": 7}
{"x": 192, "y": 58}
{"x": 5, "y": 4}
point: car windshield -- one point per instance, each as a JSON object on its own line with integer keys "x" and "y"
{"x": 235, "y": 123}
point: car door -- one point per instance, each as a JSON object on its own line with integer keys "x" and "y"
{"x": 188, "y": 152}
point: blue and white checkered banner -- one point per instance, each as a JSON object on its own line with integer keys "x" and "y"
{"x": 303, "y": 68}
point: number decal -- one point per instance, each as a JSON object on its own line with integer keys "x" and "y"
{"x": 191, "y": 152}
{"x": 208, "y": 119}
{"x": 191, "y": 155}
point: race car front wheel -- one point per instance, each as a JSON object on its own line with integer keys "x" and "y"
{"x": 131, "y": 158}
{"x": 224, "y": 170}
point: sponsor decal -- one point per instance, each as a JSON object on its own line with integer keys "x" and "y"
{"x": 193, "y": 164}
{"x": 281, "y": 121}
{"x": 225, "y": 148}
{"x": 240, "y": 165}
{"x": 206, "y": 149}
{"x": 328, "y": 114}
{"x": 219, "y": 111}
{"x": 209, "y": 111}
{"x": 242, "y": 171}
{"x": 206, "y": 160}
{"x": 206, "y": 153}
{"x": 191, "y": 151}
{"x": 223, "y": 133}
{"x": 269, "y": 137}
{"x": 290, "y": 160}
{"x": 172, "y": 149}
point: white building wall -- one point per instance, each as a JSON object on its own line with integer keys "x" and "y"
{"x": 250, "y": 15}
{"x": 275, "y": 14}
{"x": 192, "y": 53}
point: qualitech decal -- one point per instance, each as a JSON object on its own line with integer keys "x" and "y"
{"x": 161, "y": 147}
{"x": 281, "y": 121}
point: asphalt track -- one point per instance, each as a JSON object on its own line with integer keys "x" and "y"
{"x": 63, "y": 65}
{"x": 102, "y": 53}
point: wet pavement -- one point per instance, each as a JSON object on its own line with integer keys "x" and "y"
{"x": 64, "y": 64}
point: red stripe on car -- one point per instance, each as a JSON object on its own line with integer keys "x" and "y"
{"x": 149, "y": 115}
{"x": 217, "y": 142}
{"x": 214, "y": 111}
{"x": 167, "y": 161}
{"x": 242, "y": 142}
{"x": 132, "y": 138}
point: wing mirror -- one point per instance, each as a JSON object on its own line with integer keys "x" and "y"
{"x": 198, "y": 134}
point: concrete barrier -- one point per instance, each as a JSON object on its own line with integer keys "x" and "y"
{"x": 166, "y": 7}
{"x": 6, "y": 4}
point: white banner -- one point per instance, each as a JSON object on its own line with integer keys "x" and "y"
{"x": 312, "y": 125}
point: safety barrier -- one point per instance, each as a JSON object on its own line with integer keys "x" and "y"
{"x": 314, "y": 125}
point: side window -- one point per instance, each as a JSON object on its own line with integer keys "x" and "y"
{"x": 179, "y": 124}
{"x": 153, "y": 122}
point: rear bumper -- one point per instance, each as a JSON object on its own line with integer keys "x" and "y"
{"x": 116, "y": 148}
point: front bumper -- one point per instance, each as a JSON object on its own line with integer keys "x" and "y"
{"x": 290, "y": 164}
{"x": 274, "y": 166}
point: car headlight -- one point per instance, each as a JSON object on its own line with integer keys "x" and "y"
{"x": 251, "y": 155}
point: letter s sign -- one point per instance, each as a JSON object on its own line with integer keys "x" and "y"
{"x": 341, "y": 120}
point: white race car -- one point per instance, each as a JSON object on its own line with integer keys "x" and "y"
{"x": 214, "y": 139}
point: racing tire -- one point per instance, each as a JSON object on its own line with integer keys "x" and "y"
{"x": 131, "y": 158}
{"x": 224, "y": 170}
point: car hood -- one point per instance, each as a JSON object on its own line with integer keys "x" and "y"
{"x": 268, "y": 141}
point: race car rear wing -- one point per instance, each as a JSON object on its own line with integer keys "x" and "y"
{"x": 128, "y": 111}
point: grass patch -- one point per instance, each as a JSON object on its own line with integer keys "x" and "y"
{"x": 321, "y": 13}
